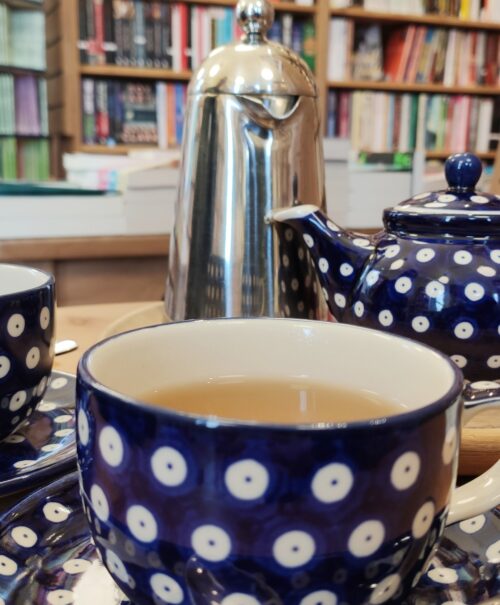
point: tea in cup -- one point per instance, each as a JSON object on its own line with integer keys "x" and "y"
{"x": 258, "y": 461}
{"x": 27, "y": 301}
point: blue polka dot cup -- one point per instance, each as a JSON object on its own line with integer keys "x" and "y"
{"x": 205, "y": 510}
{"x": 26, "y": 342}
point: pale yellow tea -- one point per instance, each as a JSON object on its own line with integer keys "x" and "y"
{"x": 274, "y": 401}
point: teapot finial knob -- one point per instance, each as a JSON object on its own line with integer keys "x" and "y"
{"x": 255, "y": 17}
{"x": 463, "y": 170}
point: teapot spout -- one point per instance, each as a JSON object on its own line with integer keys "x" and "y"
{"x": 339, "y": 255}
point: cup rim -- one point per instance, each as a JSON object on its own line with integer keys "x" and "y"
{"x": 406, "y": 418}
{"x": 49, "y": 281}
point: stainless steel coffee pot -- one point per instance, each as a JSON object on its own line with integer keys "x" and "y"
{"x": 252, "y": 142}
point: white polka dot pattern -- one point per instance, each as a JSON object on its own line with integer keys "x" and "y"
{"x": 423, "y": 520}
{"x": 247, "y": 479}
{"x": 323, "y": 265}
{"x": 99, "y": 502}
{"x": 166, "y": 588}
{"x": 169, "y": 466}
{"x": 16, "y": 325}
{"x": 4, "y": 366}
{"x": 211, "y": 542}
{"x": 17, "y": 401}
{"x": 472, "y": 526}
{"x": 332, "y": 483}
{"x": 308, "y": 240}
{"x": 420, "y": 323}
{"x": 385, "y": 590}
{"x": 60, "y": 597}
{"x": 386, "y": 318}
{"x": 392, "y": 251}
{"x": 111, "y": 446}
{"x": 359, "y": 308}
{"x": 425, "y": 255}
{"x": 44, "y": 318}
{"x": 56, "y": 512}
{"x": 463, "y": 330}
{"x": 346, "y": 269}
{"x": 8, "y": 567}
{"x": 405, "y": 471}
{"x": 320, "y": 597}
{"x": 116, "y": 566}
{"x": 474, "y": 291}
{"x": 340, "y": 300}
{"x": 76, "y": 566}
{"x": 462, "y": 257}
{"x": 33, "y": 358}
{"x": 443, "y": 575}
{"x": 403, "y": 285}
{"x": 141, "y": 523}
{"x": 294, "y": 549}
{"x": 24, "y": 536}
{"x": 366, "y": 539}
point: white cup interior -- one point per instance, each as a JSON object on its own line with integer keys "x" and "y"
{"x": 17, "y": 279}
{"x": 174, "y": 355}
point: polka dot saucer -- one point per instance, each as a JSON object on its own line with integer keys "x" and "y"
{"x": 47, "y": 557}
{"x": 45, "y": 443}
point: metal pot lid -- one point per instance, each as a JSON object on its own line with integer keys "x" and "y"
{"x": 254, "y": 65}
{"x": 459, "y": 210}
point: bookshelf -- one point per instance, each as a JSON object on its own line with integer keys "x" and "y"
{"x": 24, "y": 136}
{"x": 66, "y": 72}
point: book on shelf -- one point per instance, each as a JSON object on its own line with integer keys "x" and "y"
{"x": 473, "y": 10}
{"x": 297, "y": 33}
{"x": 367, "y": 53}
{"x": 22, "y": 38}
{"x": 24, "y": 158}
{"x": 406, "y": 122}
{"x": 172, "y": 35}
{"x": 23, "y": 106}
{"x": 132, "y": 113}
{"x": 413, "y": 54}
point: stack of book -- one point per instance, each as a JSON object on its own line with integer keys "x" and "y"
{"x": 408, "y": 121}
{"x": 22, "y": 38}
{"x": 130, "y": 113}
{"x": 171, "y": 35}
{"x": 413, "y": 54}
{"x": 474, "y": 10}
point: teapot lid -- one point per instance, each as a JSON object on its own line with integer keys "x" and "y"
{"x": 254, "y": 65}
{"x": 459, "y": 210}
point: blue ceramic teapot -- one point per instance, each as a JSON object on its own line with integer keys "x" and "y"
{"x": 431, "y": 275}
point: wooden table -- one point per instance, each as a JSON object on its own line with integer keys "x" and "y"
{"x": 86, "y": 324}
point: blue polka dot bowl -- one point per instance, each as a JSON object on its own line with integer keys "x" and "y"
{"x": 218, "y": 511}
{"x": 27, "y": 302}
{"x": 433, "y": 275}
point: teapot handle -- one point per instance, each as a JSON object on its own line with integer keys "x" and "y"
{"x": 482, "y": 493}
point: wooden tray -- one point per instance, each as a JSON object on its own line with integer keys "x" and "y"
{"x": 480, "y": 446}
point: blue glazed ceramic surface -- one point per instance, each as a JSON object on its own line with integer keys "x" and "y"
{"x": 433, "y": 275}
{"x": 47, "y": 552}
{"x": 343, "y": 515}
{"x": 26, "y": 352}
{"x": 45, "y": 444}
